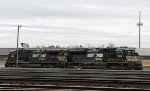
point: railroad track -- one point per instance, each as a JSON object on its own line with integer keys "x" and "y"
{"x": 92, "y": 79}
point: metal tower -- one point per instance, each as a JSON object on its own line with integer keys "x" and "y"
{"x": 139, "y": 24}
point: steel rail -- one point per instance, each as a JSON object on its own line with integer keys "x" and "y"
{"x": 73, "y": 87}
{"x": 72, "y": 77}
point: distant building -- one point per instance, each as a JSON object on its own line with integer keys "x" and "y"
{"x": 144, "y": 53}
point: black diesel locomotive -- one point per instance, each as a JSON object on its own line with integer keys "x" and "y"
{"x": 85, "y": 58}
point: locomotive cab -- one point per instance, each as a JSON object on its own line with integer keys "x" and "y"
{"x": 120, "y": 55}
{"x": 24, "y": 56}
{"x": 133, "y": 59}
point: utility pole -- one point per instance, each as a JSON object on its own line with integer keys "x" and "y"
{"x": 19, "y": 26}
{"x": 139, "y": 24}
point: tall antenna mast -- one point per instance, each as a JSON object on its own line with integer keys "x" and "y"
{"x": 139, "y": 24}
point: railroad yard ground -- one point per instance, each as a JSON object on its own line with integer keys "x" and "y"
{"x": 39, "y": 74}
{"x": 86, "y": 79}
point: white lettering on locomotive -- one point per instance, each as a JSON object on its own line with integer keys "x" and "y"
{"x": 99, "y": 55}
{"x": 90, "y": 55}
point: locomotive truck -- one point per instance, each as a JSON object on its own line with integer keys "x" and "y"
{"x": 85, "y": 58}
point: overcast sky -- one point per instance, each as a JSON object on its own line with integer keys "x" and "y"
{"x": 74, "y": 22}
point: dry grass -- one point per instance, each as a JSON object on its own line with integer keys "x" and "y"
{"x": 146, "y": 62}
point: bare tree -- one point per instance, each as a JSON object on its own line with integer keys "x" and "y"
{"x": 101, "y": 46}
{"x": 111, "y": 45}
